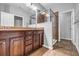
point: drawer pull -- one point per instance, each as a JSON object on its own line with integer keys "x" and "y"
{"x": 28, "y": 42}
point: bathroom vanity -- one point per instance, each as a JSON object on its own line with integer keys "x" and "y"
{"x": 19, "y": 41}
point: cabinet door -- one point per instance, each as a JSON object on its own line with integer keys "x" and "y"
{"x": 41, "y": 34}
{"x": 2, "y": 47}
{"x": 36, "y": 41}
{"x": 28, "y": 49}
{"x": 16, "y": 46}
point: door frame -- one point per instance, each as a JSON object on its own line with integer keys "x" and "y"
{"x": 72, "y": 22}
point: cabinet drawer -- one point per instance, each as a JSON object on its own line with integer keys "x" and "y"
{"x": 28, "y": 49}
{"x": 35, "y": 32}
{"x": 27, "y": 42}
{"x": 29, "y": 33}
{"x": 29, "y": 37}
{"x": 40, "y": 32}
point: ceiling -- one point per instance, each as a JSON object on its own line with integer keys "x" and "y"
{"x": 23, "y": 7}
{"x": 53, "y": 6}
{"x": 58, "y": 6}
{"x": 27, "y": 9}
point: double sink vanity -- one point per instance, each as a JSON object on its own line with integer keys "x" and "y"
{"x": 19, "y": 41}
{"x": 15, "y": 38}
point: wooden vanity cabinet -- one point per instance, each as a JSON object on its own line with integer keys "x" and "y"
{"x": 28, "y": 49}
{"x": 11, "y": 43}
{"x": 36, "y": 40}
{"x": 20, "y": 43}
{"x": 28, "y": 42}
{"x": 16, "y": 46}
{"x": 41, "y": 37}
{"x": 33, "y": 41}
{"x": 3, "y": 47}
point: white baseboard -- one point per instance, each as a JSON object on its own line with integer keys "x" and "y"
{"x": 59, "y": 40}
{"x": 75, "y": 46}
{"x": 48, "y": 47}
{"x": 66, "y": 38}
{"x": 77, "y": 49}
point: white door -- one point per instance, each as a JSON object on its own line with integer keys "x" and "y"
{"x": 65, "y": 26}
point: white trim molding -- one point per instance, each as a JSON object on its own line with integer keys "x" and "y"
{"x": 67, "y": 39}
{"x": 77, "y": 48}
{"x": 50, "y": 48}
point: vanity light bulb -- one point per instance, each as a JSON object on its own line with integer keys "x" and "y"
{"x": 47, "y": 15}
{"x": 33, "y": 7}
{"x": 43, "y": 13}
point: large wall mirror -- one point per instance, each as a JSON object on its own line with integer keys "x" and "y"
{"x": 38, "y": 17}
{"x": 18, "y": 21}
{"x": 33, "y": 18}
{"x": 41, "y": 17}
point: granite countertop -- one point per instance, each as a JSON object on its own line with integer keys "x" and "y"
{"x": 8, "y": 28}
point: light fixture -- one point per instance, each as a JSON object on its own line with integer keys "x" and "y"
{"x": 47, "y": 15}
{"x": 34, "y": 7}
{"x": 31, "y": 6}
{"x": 43, "y": 13}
